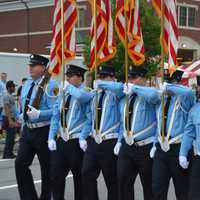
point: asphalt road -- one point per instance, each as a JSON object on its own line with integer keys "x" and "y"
{"x": 8, "y": 186}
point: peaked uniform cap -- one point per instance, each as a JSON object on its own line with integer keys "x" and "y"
{"x": 106, "y": 70}
{"x": 74, "y": 69}
{"x": 38, "y": 60}
{"x": 137, "y": 71}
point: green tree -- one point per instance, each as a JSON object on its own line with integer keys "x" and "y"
{"x": 151, "y": 33}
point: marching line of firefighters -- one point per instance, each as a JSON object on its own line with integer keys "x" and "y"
{"x": 120, "y": 154}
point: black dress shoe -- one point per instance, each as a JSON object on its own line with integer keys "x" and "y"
{"x": 9, "y": 157}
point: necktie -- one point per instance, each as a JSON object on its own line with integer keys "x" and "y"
{"x": 25, "y": 116}
{"x": 166, "y": 113}
{"x": 67, "y": 104}
{"x": 100, "y": 106}
{"x": 131, "y": 104}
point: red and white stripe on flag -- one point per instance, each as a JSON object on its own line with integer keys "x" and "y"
{"x": 70, "y": 18}
{"x": 170, "y": 37}
{"x": 134, "y": 33}
{"x": 191, "y": 70}
{"x": 105, "y": 44}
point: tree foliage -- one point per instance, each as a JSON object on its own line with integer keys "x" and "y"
{"x": 151, "y": 34}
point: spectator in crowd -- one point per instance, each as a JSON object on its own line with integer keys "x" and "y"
{"x": 4, "y": 78}
{"x": 10, "y": 122}
{"x": 19, "y": 94}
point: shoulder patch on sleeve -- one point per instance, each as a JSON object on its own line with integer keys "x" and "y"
{"x": 55, "y": 91}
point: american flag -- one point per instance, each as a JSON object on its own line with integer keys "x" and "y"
{"x": 191, "y": 70}
{"x": 105, "y": 44}
{"x": 135, "y": 39}
{"x": 70, "y": 18}
{"x": 170, "y": 37}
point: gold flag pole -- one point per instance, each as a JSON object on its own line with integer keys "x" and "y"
{"x": 63, "y": 60}
{"x": 95, "y": 62}
{"x": 163, "y": 70}
{"x": 126, "y": 69}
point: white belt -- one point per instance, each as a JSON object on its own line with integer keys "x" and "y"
{"x": 176, "y": 140}
{"x": 68, "y": 133}
{"x": 37, "y": 125}
{"x": 70, "y": 137}
{"x": 107, "y": 136}
{"x": 144, "y": 142}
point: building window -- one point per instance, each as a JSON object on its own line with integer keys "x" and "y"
{"x": 187, "y": 16}
{"x": 191, "y": 16}
{"x": 81, "y": 36}
{"x": 83, "y": 24}
{"x": 82, "y": 17}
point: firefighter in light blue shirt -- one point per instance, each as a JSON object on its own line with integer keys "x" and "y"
{"x": 44, "y": 114}
{"x": 134, "y": 153}
{"x": 178, "y": 101}
{"x": 66, "y": 153}
{"x": 191, "y": 138}
{"x": 99, "y": 155}
{"x": 36, "y": 121}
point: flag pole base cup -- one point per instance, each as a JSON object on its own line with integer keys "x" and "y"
{"x": 129, "y": 140}
{"x": 165, "y": 145}
{"x": 98, "y": 138}
{"x": 64, "y": 135}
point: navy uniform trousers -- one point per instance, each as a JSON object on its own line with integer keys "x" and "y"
{"x": 134, "y": 160}
{"x": 32, "y": 142}
{"x": 166, "y": 166}
{"x": 194, "y": 179}
{"x": 10, "y": 142}
{"x": 67, "y": 157}
{"x": 97, "y": 158}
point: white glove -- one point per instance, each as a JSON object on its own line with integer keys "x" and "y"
{"x": 96, "y": 84}
{"x": 163, "y": 87}
{"x": 83, "y": 144}
{"x": 152, "y": 152}
{"x": 33, "y": 113}
{"x": 128, "y": 89}
{"x": 52, "y": 145}
{"x": 183, "y": 162}
{"x": 117, "y": 148}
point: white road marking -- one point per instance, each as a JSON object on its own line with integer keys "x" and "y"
{"x": 35, "y": 182}
{"x": 3, "y": 160}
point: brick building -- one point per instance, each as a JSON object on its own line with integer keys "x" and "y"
{"x": 189, "y": 28}
{"x": 26, "y": 26}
